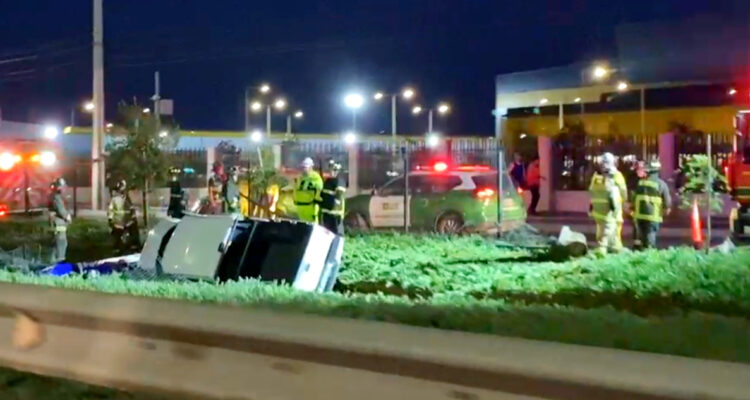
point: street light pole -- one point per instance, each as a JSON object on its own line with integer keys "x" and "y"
{"x": 393, "y": 116}
{"x": 247, "y": 108}
{"x": 289, "y": 124}
{"x": 268, "y": 120}
{"x": 429, "y": 121}
{"x": 354, "y": 119}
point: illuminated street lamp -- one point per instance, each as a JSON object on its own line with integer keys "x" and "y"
{"x": 51, "y": 132}
{"x": 442, "y": 109}
{"x": 257, "y": 106}
{"x": 280, "y": 104}
{"x": 622, "y": 86}
{"x": 407, "y": 94}
{"x": 432, "y": 140}
{"x": 89, "y": 106}
{"x": 264, "y": 88}
{"x": 600, "y": 72}
{"x": 732, "y": 91}
{"x": 354, "y": 101}
{"x": 297, "y": 114}
{"x": 256, "y": 136}
{"x": 416, "y": 110}
{"x": 544, "y": 101}
{"x": 146, "y": 110}
{"x": 350, "y": 138}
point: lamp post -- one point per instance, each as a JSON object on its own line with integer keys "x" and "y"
{"x": 262, "y": 89}
{"x": 87, "y": 106}
{"x": 257, "y": 106}
{"x": 442, "y": 109}
{"x": 354, "y": 101}
{"x": 407, "y": 94}
{"x": 297, "y": 114}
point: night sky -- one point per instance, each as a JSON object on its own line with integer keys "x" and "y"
{"x": 311, "y": 51}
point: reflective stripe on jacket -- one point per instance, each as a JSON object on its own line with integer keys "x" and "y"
{"x": 649, "y": 201}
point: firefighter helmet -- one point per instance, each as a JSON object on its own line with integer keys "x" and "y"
{"x": 334, "y": 166}
{"x": 308, "y": 163}
{"x": 608, "y": 161}
{"x": 58, "y": 183}
{"x": 120, "y": 185}
{"x": 653, "y": 166}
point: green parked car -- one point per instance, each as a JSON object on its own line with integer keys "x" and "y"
{"x": 463, "y": 199}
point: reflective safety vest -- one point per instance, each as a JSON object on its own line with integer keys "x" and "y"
{"x": 118, "y": 210}
{"x": 648, "y": 201}
{"x": 332, "y": 197}
{"x": 606, "y": 203}
{"x": 307, "y": 189}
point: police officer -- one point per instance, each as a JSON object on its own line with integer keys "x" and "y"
{"x": 606, "y": 210}
{"x": 651, "y": 201}
{"x": 60, "y": 218}
{"x": 332, "y": 200}
{"x": 230, "y": 192}
{"x": 307, "y": 187}
{"x": 177, "y": 200}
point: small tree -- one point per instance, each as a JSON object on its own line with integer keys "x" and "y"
{"x": 138, "y": 152}
{"x": 696, "y": 171}
{"x": 261, "y": 175}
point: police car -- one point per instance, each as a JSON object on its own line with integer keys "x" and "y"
{"x": 442, "y": 198}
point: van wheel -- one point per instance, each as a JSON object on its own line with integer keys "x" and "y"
{"x": 355, "y": 222}
{"x": 450, "y": 223}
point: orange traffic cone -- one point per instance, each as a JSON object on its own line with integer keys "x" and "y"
{"x": 695, "y": 222}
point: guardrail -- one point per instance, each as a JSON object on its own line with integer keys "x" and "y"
{"x": 209, "y": 351}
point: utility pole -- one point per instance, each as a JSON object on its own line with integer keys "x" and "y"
{"x": 429, "y": 121}
{"x": 268, "y": 121}
{"x": 289, "y": 124}
{"x": 157, "y": 100}
{"x": 97, "y": 138}
{"x": 393, "y": 117}
{"x": 247, "y": 109}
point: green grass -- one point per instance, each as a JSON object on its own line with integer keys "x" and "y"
{"x": 675, "y": 301}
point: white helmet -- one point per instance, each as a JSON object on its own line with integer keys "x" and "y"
{"x": 308, "y": 163}
{"x": 608, "y": 161}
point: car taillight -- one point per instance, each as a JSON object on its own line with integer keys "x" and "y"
{"x": 485, "y": 193}
{"x": 3, "y": 210}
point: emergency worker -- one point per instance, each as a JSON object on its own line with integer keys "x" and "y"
{"x": 122, "y": 219}
{"x": 177, "y": 198}
{"x": 610, "y": 167}
{"x": 230, "y": 192}
{"x": 332, "y": 200}
{"x": 651, "y": 201}
{"x": 59, "y": 218}
{"x": 215, "y": 185}
{"x": 307, "y": 187}
{"x": 606, "y": 210}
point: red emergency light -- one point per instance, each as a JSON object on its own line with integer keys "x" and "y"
{"x": 473, "y": 168}
{"x": 485, "y": 193}
{"x": 3, "y": 210}
{"x": 440, "y": 166}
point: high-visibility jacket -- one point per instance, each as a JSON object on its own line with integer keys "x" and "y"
{"x": 332, "y": 197}
{"x": 118, "y": 212}
{"x": 651, "y": 197}
{"x": 307, "y": 188}
{"x": 606, "y": 198}
{"x": 59, "y": 215}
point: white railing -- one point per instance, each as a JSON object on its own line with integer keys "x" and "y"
{"x": 208, "y": 351}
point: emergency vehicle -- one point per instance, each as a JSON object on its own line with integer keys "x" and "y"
{"x": 738, "y": 176}
{"x": 442, "y": 198}
{"x": 27, "y": 167}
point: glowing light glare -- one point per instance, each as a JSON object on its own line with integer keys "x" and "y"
{"x": 163, "y": 134}
{"x": 279, "y": 104}
{"x": 522, "y": 136}
{"x": 416, "y": 110}
{"x": 256, "y": 106}
{"x": 47, "y": 158}
{"x": 732, "y": 91}
{"x": 350, "y": 138}
{"x": 622, "y": 85}
{"x": 577, "y": 100}
{"x": 146, "y": 110}
{"x": 600, "y": 72}
{"x": 440, "y": 166}
{"x": 264, "y": 88}
{"x": 36, "y": 158}
{"x": 7, "y": 161}
{"x": 433, "y": 140}
{"x": 443, "y": 108}
{"x": 354, "y": 100}
{"x": 256, "y": 136}
{"x": 89, "y": 106}
{"x": 110, "y": 125}
{"x": 378, "y": 96}
{"x": 544, "y": 101}
{"x": 51, "y": 132}
{"x": 299, "y": 114}
{"x": 408, "y": 93}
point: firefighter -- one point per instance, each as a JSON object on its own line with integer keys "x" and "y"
{"x": 177, "y": 199}
{"x": 610, "y": 167}
{"x": 652, "y": 200}
{"x": 215, "y": 185}
{"x": 122, "y": 222}
{"x": 606, "y": 209}
{"x": 332, "y": 200}
{"x": 60, "y": 218}
{"x": 307, "y": 187}
{"x": 230, "y": 192}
